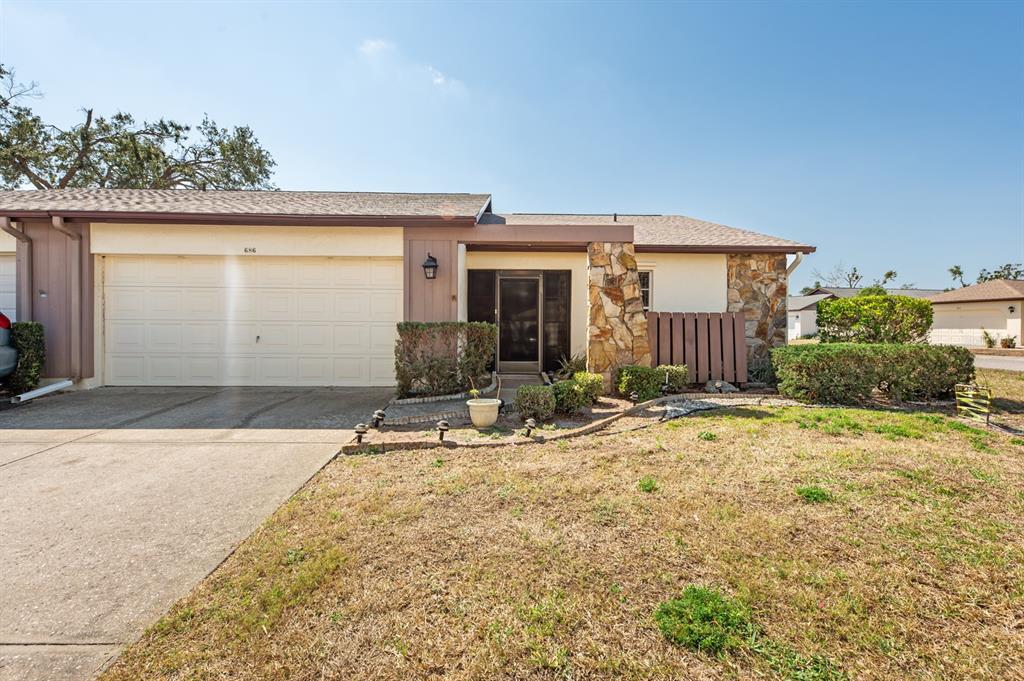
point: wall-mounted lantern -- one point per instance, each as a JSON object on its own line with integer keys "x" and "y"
{"x": 430, "y": 267}
{"x": 1012, "y": 309}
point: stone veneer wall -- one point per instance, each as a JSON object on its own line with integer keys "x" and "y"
{"x": 617, "y": 323}
{"x": 757, "y": 287}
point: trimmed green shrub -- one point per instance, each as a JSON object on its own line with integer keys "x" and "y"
{"x": 440, "y": 358}
{"x": 30, "y": 342}
{"x": 644, "y": 381}
{"x": 703, "y": 619}
{"x": 678, "y": 376}
{"x": 846, "y": 373}
{"x": 570, "y": 397}
{"x": 591, "y": 384}
{"x": 874, "y": 319}
{"x": 535, "y": 401}
{"x": 920, "y": 372}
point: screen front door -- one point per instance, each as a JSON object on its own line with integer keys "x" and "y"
{"x": 519, "y": 324}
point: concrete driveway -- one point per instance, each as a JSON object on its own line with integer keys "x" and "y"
{"x": 115, "y": 502}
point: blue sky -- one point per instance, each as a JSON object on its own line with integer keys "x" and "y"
{"x": 891, "y": 136}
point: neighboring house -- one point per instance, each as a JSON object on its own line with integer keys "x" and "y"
{"x": 146, "y": 287}
{"x": 7, "y": 276}
{"x": 803, "y": 314}
{"x": 961, "y": 316}
{"x": 803, "y": 310}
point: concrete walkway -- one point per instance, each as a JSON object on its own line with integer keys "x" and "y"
{"x": 114, "y": 503}
{"x": 999, "y": 362}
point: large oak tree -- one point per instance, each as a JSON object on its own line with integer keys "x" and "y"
{"x": 118, "y": 152}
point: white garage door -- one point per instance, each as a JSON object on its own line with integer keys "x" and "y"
{"x": 7, "y": 285}
{"x": 194, "y": 320}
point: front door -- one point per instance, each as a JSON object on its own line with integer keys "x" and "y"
{"x": 519, "y": 324}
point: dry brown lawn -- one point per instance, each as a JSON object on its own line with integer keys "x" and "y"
{"x": 547, "y": 561}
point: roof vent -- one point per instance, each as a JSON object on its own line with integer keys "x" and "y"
{"x": 615, "y": 217}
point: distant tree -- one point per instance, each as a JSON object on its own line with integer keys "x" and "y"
{"x": 889, "y": 275}
{"x": 807, "y": 290}
{"x": 1007, "y": 271}
{"x": 840, "y": 276}
{"x": 873, "y": 290}
{"x": 118, "y": 152}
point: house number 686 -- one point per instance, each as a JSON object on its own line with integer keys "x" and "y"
{"x": 249, "y": 249}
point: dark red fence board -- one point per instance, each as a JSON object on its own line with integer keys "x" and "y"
{"x": 712, "y": 345}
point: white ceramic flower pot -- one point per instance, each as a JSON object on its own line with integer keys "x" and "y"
{"x": 483, "y": 411}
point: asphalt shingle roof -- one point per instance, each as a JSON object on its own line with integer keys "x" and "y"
{"x": 663, "y": 230}
{"x": 842, "y": 292}
{"x": 796, "y": 303}
{"x": 319, "y": 204}
{"x": 997, "y": 289}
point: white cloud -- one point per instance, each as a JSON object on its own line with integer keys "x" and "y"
{"x": 385, "y": 60}
{"x": 374, "y": 46}
{"x": 442, "y": 81}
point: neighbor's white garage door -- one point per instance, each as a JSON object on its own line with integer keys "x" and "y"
{"x": 196, "y": 320}
{"x": 7, "y": 284}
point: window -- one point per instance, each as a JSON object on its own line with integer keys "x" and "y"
{"x": 646, "y": 276}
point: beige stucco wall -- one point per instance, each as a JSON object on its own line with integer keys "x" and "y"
{"x": 7, "y": 243}
{"x": 962, "y": 323}
{"x": 686, "y": 282}
{"x": 575, "y": 262}
{"x": 130, "y": 239}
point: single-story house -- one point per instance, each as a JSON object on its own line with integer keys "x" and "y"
{"x": 803, "y": 309}
{"x": 961, "y": 316}
{"x": 153, "y": 287}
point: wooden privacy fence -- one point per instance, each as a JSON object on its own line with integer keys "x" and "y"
{"x": 712, "y": 344}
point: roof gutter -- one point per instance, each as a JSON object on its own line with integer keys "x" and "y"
{"x": 24, "y": 271}
{"x": 797, "y": 259}
{"x": 75, "y": 274}
{"x": 251, "y": 218}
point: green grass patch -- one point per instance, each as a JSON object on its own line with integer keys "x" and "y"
{"x": 647, "y": 484}
{"x": 813, "y": 494}
{"x": 704, "y": 620}
{"x": 706, "y": 436}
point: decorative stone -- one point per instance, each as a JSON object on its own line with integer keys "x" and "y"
{"x": 617, "y": 324}
{"x": 757, "y": 287}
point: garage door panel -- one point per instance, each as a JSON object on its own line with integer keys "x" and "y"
{"x": 251, "y": 321}
{"x": 351, "y": 339}
{"x": 386, "y": 305}
{"x": 277, "y": 305}
{"x": 386, "y": 274}
{"x": 202, "y": 337}
{"x": 126, "y": 337}
{"x": 163, "y": 337}
{"x": 164, "y": 369}
{"x": 314, "y": 338}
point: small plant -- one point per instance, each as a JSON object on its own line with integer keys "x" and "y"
{"x": 647, "y": 484}
{"x": 437, "y": 463}
{"x": 591, "y": 384}
{"x": 535, "y": 401}
{"x": 675, "y": 376}
{"x": 1008, "y": 342}
{"x": 570, "y": 397}
{"x": 703, "y": 619}
{"x": 814, "y": 494}
{"x": 706, "y": 436}
{"x": 646, "y": 382}
{"x": 570, "y": 366}
{"x": 988, "y": 339}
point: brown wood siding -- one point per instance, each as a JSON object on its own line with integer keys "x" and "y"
{"x": 431, "y": 300}
{"x": 711, "y": 345}
{"x": 51, "y": 273}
